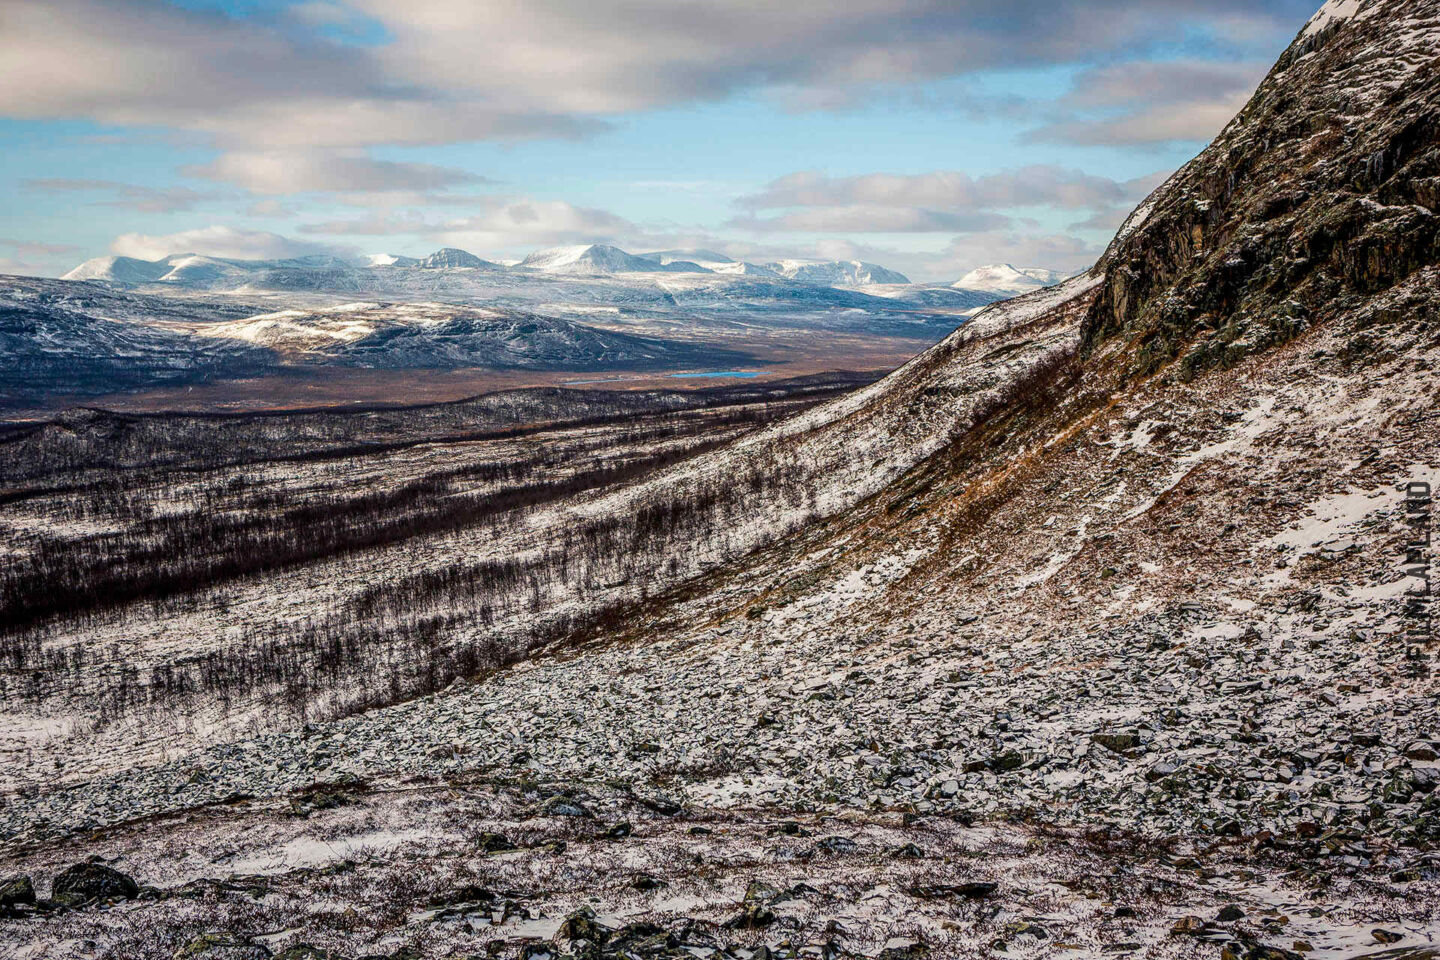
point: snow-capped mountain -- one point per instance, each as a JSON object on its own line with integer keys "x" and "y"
{"x": 377, "y": 270}
{"x": 600, "y": 258}
{"x": 692, "y": 254}
{"x": 120, "y": 270}
{"x": 842, "y": 272}
{"x": 451, "y": 257}
{"x": 193, "y": 270}
{"x": 712, "y": 261}
{"x": 1002, "y": 278}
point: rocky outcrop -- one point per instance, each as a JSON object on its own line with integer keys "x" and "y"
{"x": 1317, "y": 196}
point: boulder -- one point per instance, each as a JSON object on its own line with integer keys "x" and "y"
{"x": 94, "y": 881}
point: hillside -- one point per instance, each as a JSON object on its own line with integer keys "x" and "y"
{"x": 1091, "y": 631}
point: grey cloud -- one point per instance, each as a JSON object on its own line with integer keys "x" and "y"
{"x": 1151, "y": 103}
{"x": 872, "y": 219}
{"x": 615, "y": 55}
{"x": 152, "y": 63}
{"x": 455, "y": 70}
{"x": 127, "y": 196}
{"x": 282, "y": 172}
{"x": 943, "y": 189}
{"x": 943, "y": 201}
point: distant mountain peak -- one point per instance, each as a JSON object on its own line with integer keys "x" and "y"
{"x": 120, "y": 270}
{"x": 830, "y": 272}
{"x": 391, "y": 260}
{"x": 601, "y": 258}
{"x": 1009, "y": 279}
{"x": 452, "y": 257}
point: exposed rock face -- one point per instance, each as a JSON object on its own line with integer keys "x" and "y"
{"x": 92, "y": 881}
{"x": 1317, "y": 196}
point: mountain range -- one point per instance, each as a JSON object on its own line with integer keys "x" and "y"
{"x": 119, "y": 323}
{"x": 594, "y": 260}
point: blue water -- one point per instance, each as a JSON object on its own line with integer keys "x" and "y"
{"x": 717, "y": 373}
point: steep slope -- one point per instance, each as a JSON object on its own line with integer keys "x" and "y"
{"x": 1066, "y": 384}
{"x": 1317, "y": 198}
{"x": 1019, "y": 481}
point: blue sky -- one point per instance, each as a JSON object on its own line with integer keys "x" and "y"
{"x": 928, "y": 136}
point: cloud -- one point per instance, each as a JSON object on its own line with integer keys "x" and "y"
{"x": 24, "y": 248}
{"x": 857, "y": 218}
{"x": 125, "y": 196}
{"x": 1055, "y": 251}
{"x": 218, "y": 241}
{"x": 444, "y": 71}
{"x": 505, "y": 223}
{"x": 941, "y": 201}
{"x": 1151, "y": 103}
{"x": 1037, "y": 185}
{"x": 283, "y": 172}
{"x": 240, "y": 80}
{"x": 946, "y": 264}
{"x": 36, "y": 257}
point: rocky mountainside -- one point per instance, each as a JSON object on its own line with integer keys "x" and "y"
{"x": 1091, "y": 631}
{"x": 1316, "y": 203}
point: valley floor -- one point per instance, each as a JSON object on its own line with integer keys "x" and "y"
{"x": 774, "y": 356}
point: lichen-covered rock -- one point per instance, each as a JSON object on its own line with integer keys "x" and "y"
{"x": 16, "y": 893}
{"x": 94, "y": 881}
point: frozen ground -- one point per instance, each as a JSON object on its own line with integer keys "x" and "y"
{"x": 1113, "y": 600}
{"x": 480, "y": 866}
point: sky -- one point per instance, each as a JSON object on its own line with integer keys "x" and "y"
{"x": 930, "y": 136}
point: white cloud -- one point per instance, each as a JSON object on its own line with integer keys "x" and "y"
{"x": 218, "y": 241}
{"x": 942, "y": 201}
{"x": 282, "y": 172}
{"x": 1151, "y": 103}
{"x": 505, "y": 223}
